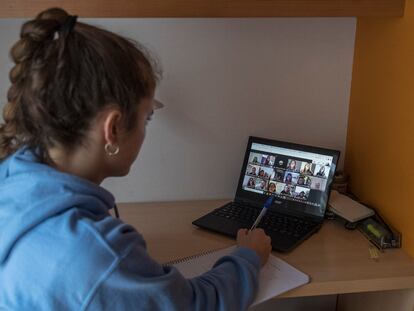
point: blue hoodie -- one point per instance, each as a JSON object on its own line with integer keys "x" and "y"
{"x": 60, "y": 249}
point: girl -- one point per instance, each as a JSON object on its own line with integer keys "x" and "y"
{"x": 288, "y": 178}
{"x": 292, "y": 165}
{"x": 321, "y": 172}
{"x": 251, "y": 183}
{"x": 272, "y": 187}
{"x": 307, "y": 169}
{"x": 77, "y": 108}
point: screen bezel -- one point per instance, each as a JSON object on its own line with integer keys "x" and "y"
{"x": 258, "y": 200}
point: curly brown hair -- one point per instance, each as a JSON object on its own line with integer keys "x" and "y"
{"x": 62, "y": 79}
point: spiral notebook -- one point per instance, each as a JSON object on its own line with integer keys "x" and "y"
{"x": 276, "y": 277}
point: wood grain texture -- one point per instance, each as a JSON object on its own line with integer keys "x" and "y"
{"x": 206, "y": 8}
{"x": 382, "y": 93}
{"x": 336, "y": 259}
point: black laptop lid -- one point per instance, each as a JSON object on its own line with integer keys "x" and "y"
{"x": 299, "y": 176}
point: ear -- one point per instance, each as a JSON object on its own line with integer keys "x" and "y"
{"x": 112, "y": 125}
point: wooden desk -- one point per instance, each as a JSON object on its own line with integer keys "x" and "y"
{"x": 336, "y": 259}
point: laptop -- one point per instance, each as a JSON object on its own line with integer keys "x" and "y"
{"x": 299, "y": 177}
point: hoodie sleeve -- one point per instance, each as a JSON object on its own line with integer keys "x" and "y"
{"x": 137, "y": 282}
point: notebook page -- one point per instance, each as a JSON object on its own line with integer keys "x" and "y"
{"x": 276, "y": 277}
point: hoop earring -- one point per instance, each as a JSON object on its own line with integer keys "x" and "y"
{"x": 111, "y": 149}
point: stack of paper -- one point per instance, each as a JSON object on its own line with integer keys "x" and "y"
{"x": 347, "y": 208}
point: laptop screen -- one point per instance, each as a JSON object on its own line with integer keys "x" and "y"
{"x": 299, "y": 176}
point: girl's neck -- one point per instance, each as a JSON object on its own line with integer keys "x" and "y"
{"x": 82, "y": 162}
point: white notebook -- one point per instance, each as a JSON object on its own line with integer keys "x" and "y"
{"x": 276, "y": 277}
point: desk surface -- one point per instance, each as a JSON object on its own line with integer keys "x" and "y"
{"x": 336, "y": 259}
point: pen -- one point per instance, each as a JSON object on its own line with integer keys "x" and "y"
{"x": 268, "y": 203}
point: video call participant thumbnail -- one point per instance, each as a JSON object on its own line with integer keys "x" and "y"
{"x": 252, "y": 169}
{"x": 322, "y": 171}
{"x": 301, "y": 181}
{"x": 255, "y": 158}
{"x": 261, "y": 184}
{"x": 280, "y": 187}
{"x": 265, "y": 172}
{"x": 293, "y": 165}
{"x": 291, "y": 178}
{"x": 318, "y": 183}
{"x": 272, "y": 187}
{"x": 249, "y": 182}
{"x": 287, "y": 190}
{"x": 268, "y": 160}
{"x": 281, "y": 161}
{"x": 301, "y": 193}
{"x": 278, "y": 175}
{"x": 306, "y": 168}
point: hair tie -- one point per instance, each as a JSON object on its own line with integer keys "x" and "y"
{"x": 68, "y": 25}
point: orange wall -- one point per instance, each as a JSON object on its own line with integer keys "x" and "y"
{"x": 380, "y": 143}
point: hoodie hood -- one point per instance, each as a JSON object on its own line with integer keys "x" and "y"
{"x": 32, "y": 192}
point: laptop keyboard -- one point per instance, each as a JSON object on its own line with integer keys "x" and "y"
{"x": 245, "y": 215}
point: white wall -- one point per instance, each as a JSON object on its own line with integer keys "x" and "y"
{"x": 226, "y": 79}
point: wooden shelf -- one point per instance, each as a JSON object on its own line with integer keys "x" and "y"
{"x": 206, "y": 8}
{"x": 336, "y": 259}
